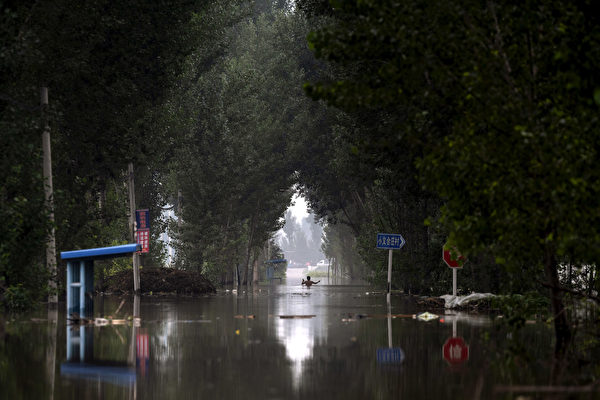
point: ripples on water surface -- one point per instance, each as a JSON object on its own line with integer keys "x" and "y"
{"x": 279, "y": 341}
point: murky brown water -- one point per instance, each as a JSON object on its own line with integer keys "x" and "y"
{"x": 281, "y": 341}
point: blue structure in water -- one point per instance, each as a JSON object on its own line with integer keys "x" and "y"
{"x": 271, "y": 268}
{"x": 80, "y": 274}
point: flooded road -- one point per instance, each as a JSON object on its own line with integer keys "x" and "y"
{"x": 280, "y": 341}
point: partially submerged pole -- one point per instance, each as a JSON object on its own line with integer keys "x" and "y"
{"x": 48, "y": 192}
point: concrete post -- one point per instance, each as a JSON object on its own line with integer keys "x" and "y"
{"x": 48, "y": 191}
{"x": 135, "y": 256}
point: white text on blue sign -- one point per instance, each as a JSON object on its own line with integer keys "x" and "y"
{"x": 389, "y": 241}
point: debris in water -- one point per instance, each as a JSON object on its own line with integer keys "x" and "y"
{"x": 356, "y": 317}
{"x": 427, "y": 316}
{"x": 75, "y": 319}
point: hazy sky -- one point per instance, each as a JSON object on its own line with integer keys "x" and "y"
{"x": 299, "y": 209}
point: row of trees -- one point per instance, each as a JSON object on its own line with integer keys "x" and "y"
{"x": 480, "y": 119}
{"x": 204, "y": 98}
{"x": 473, "y": 123}
{"x": 108, "y": 66}
{"x": 235, "y": 114}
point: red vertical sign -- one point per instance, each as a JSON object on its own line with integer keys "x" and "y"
{"x": 142, "y": 219}
{"x": 143, "y": 351}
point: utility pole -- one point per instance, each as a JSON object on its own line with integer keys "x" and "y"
{"x": 48, "y": 191}
{"x": 132, "y": 228}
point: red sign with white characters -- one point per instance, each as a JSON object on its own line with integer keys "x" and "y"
{"x": 455, "y": 351}
{"x": 143, "y": 238}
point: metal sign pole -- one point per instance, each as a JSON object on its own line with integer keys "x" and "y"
{"x": 389, "y": 320}
{"x": 390, "y": 242}
{"x": 389, "y": 289}
{"x": 454, "y": 282}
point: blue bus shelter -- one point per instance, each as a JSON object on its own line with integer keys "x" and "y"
{"x": 80, "y": 274}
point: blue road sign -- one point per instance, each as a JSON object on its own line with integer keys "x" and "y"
{"x": 390, "y": 241}
{"x": 392, "y": 355}
{"x": 142, "y": 219}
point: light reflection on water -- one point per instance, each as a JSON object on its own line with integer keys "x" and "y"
{"x": 298, "y": 335}
{"x": 236, "y": 345}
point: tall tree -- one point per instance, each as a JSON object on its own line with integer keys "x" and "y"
{"x": 502, "y": 101}
{"x": 108, "y": 66}
{"x": 238, "y": 118}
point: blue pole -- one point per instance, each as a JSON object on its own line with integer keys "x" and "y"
{"x": 82, "y": 288}
{"x": 69, "y": 288}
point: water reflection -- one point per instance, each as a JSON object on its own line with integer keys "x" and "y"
{"x": 298, "y": 343}
{"x": 299, "y": 335}
{"x": 89, "y": 361}
{"x": 237, "y": 346}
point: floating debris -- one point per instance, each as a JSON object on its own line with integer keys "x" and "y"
{"x": 75, "y": 319}
{"x": 474, "y": 300}
{"x": 39, "y": 320}
{"x": 193, "y": 321}
{"x": 118, "y": 321}
{"x": 356, "y": 317}
{"x": 427, "y": 316}
{"x": 120, "y": 305}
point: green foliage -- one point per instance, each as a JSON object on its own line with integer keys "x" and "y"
{"x": 236, "y": 122}
{"x": 496, "y": 163}
{"x": 108, "y": 66}
{"x": 18, "y": 298}
{"x": 211, "y": 272}
{"x": 518, "y": 308}
{"x": 493, "y": 104}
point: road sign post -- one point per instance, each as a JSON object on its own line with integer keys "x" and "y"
{"x": 390, "y": 241}
{"x": 389, "y": 277}
{"x": 454, "y": 260}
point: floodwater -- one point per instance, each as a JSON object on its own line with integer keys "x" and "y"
{"x": 279, "y": 341}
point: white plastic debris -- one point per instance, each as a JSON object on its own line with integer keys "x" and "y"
{"x": 458, "y": 301}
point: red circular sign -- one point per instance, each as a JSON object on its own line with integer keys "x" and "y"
{"x": 455, "y": 351}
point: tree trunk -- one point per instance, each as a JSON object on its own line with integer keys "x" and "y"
{"x": 255, "y": 272}
{"x": 561, "y": 324}
{"x": 249, "y": 252}
{"x": 591, "y": 281}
